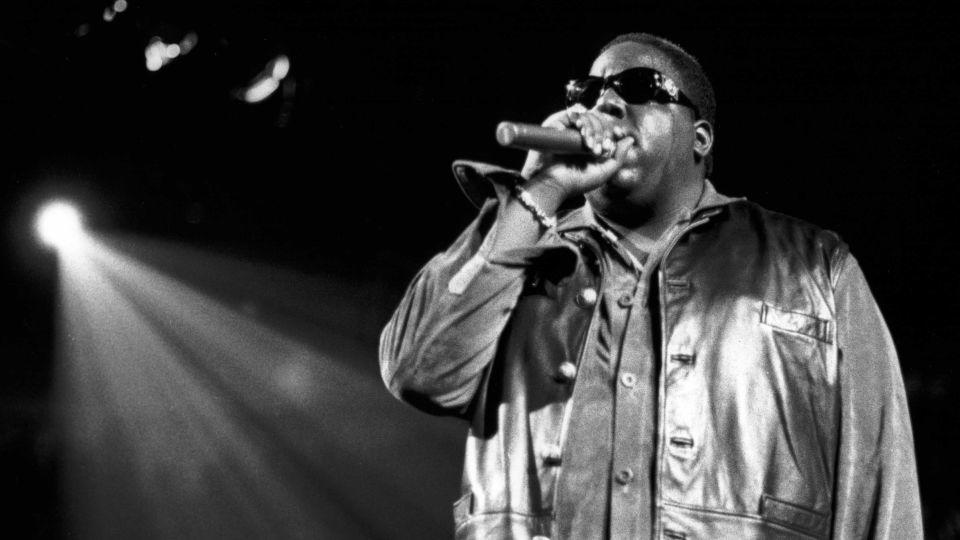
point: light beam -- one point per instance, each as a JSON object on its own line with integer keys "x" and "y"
{"x": 187, "y": 415}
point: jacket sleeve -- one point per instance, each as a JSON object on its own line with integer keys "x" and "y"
{"x": 435, "y": 349}
{"x": 876, "y": 495}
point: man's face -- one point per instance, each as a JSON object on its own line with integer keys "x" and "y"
{"x": 664, "y": 132}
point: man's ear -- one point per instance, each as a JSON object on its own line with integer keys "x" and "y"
{"x": 702, "y": 139}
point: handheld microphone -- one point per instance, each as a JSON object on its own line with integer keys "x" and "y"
{"x": 533, "y": 137}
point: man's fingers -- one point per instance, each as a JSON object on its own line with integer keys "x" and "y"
{"x": 593, "y": 132}
{"x": 565, "y": 119}
{"x": 599, "y": 136}
{"x": 626, "y": 152}
{"x": 573, "y": 113}
{"x": 612, "y": 145}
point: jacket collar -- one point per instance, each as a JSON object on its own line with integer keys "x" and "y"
{"x": 710, "y": 203}
{"x": 480, "y": 181}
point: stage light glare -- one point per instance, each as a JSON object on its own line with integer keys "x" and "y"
{"x": 188, "y": 42}
{"x": 155, "y": 53}
{"x": 59, "y": 224}
{"x": 281, "y": 66}
{"x": 154, "y": 63}
{"x": 260, "y": 90}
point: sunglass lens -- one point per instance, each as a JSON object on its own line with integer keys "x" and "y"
{"x": 636, "y": 86}
{"x": 583, "y": 91}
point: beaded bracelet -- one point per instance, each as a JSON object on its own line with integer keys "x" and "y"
{"x": 547, "y": 222}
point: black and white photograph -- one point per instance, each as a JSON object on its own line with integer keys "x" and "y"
{"x": 380, "y": 269}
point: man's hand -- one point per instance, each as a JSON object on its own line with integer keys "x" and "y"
{"x": 568, "y": 176}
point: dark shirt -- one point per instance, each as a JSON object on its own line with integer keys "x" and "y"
{"x": 607, "y": 486}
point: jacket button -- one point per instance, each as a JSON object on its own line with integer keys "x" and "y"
{"x": 566, "y": 372}
{"x": 628, "y": 379}
{"x": 551, "y": 455}
{"x": 625, "y": 300}
{"x": 624, "y": 476}
{"x": 587, "y": 297}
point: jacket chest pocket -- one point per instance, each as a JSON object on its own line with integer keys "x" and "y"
{"x": 797, "y": 323}
{"x": 804, "y": 343}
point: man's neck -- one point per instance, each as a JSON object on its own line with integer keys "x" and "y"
{"x": 645, "y": 226}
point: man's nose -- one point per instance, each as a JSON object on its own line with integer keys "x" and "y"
{"x": 611, "y": 103}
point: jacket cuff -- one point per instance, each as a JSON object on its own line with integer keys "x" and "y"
{"x": 490, "y": 188}
{"x": 481, "y": 181}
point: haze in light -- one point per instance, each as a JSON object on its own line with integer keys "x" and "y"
{"x": 193, "y": 407}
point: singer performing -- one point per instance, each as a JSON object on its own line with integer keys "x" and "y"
{"x": 640, "y": 356}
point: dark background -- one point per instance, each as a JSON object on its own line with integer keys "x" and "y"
{"x": 843, "y": 113}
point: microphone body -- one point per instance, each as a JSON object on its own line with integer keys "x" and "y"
{"x": 533, "y": 137}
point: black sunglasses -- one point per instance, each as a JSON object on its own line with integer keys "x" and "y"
{"x": 636, "y": 86}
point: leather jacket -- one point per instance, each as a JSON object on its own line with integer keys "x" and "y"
{"x": 781, "y": 411}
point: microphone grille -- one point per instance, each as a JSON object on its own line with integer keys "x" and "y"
{"x": 507, "y": 133}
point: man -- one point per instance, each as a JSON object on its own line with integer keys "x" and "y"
{"x": 663, "y": 361}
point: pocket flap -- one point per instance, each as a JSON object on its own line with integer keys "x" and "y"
{"x": 798, "y": 323}
{"x": 793, "y": 516}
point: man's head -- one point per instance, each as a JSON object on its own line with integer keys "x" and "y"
{"x": 674, "y": 139}
{"x": 691, "y": 77}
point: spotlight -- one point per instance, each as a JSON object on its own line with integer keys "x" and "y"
{"x": 159, "y": 54}
{"x": 260, "y": 90}
{"x": 59, "y": 224}
{"x": 267, "y": 82}
{"x": 281, "y": 66}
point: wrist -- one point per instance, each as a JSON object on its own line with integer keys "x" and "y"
{"x": 545, "y": 193}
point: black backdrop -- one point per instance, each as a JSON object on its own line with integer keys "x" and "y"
{"x": 843, "y": 113}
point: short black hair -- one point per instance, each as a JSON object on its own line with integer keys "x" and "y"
{"x": 694, "y": 81}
